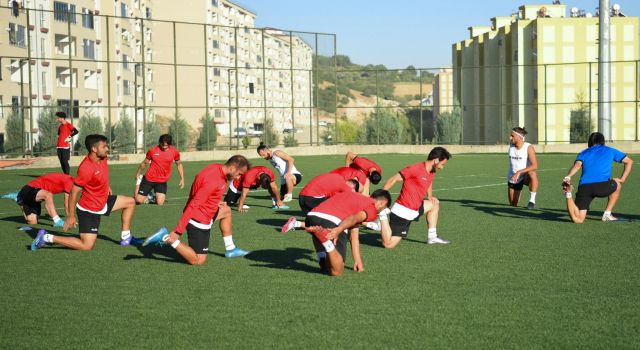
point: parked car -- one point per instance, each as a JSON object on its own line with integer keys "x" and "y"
{"x": 292, "y": 130}
{"x": 322, "y": 123}
{"x": 239, "y": 132}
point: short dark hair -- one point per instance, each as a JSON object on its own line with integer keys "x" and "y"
{"x": 93, "y": 139}
{"x": 61, "y": 115}
{"x": 380, "y": 193}
{"x": 596, "y": 138}
{"x": 439, "y": 153}
{"x": 261, "y": 146}
{"x": 264, "y": 180}
{"x": 375, "y": 177}
{"x": 239, "y": 161}
{"x": 355, "y": 183}
{"x": 520, "y": 130}
{"x": 165, "y": 138}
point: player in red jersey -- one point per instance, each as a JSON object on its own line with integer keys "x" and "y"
{"x": 96, "y": 200}
{"x": 417, "y": 181}
{"x": 161, "y": 158}
{"x": 372, "y": 171}
{"x": 330, "y": 221}
{"x": 257, "y": 176}
{"x": 349, "y": 173}
{"x": 203, "y": 207}
{"x": 318, "y": 190}
{"x": 42, "y": 189}
{"x": 63, "y": 146}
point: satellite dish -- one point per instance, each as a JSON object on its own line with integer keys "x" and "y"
{"x": 616, "y": 7}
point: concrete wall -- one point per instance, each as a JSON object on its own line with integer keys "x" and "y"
{"x": 221, "y": 155}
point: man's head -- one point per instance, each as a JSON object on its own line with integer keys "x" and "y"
{"x": 264, "y": 151}
{"x": 237, "y": 165}
{"x": 354, "y": 184}
{"x": 596, "y": 138}
{"x": 97, "y": 144}
{"x": 382, "y": 199}
{"x": 517, "y": 135}
{"x": 61, "y": 117}
{"x": 440, "y": 156}
{"x": 375, "y": 177}
{"x": 165, "y": 141}
{"x": 265, "y": 181}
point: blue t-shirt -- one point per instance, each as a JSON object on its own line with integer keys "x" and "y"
{"x": 597, "y": 162}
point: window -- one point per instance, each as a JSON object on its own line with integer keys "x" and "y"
{"x": 64, "y": 12}
{"x": 215, "y": 44}
{"x": 259, "y": 58}
{"x": 149, "y": 74}
{"x": 251, "y": 88}
{"x": 217, "y": 113}
{"x": 138, "y": 70}
{"x": 124, "y": 11}
{"x": 17, "y": 35}
{"x": 247, "y": 65}
{"x": 15, "y": 104}
{"x": 43, "y": 83}
{"x": 128, "y": 87}
{"x": 43, "y": 47}
{"x": 43, "y": 17}
{"x": 148, "y": 12}
{"x": 232, "y": 49}
{"x": 149, "y": 55}
{"x": 88, "y": 48}
{"x": 125, "y": 62}
{"x": 216, "y": 72}
{"x": 215, "y": 3}
{"x": 246, "y": 30}
{"x": 87, "y": 18}
{"x": 1, "y": 111}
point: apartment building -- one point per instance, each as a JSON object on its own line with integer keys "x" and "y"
{"x": 536, "y": 68}
{"x": 443, "y": 91}
{"x": 250, "y": 71}
{"x": 56, "y": 53}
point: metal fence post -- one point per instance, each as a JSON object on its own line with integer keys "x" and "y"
{"x": 71, "y": 104}
{"x": 315, "y": 68}
{"x": 265, "y": 134}
{"x": 30, "y": 111}
{"x": 109, "y": 81}
{"x": 143, "y": 69}
{"x": 235, "y": 40}
{"x": 546, "y": 128}
{"x": 335, "y": 70}
{"x": 420, "y": 101}
{"x": 205, "y": 128}
{"x": 377, "y": 109}
{"x": 293, "y": 111}
{"x": 175, "y": 82}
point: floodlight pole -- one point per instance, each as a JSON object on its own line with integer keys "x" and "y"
{"x": 604, "y": 71}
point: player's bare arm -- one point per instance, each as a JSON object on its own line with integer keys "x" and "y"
{"x": 350, "y": 221}
{"x": 70, "y": 221}
{"x": 287, "y": 158}
{"x": 349, "y": 158}
{"x": 276, "y": 193}
{"x": 392, "y": 180}
{"x": 243, "y": 198}
{"x": 143, "y": 165}
{"x": 181, "y": 173}
{"x": 354, "y": 239}
{"x": 628, "y": 164}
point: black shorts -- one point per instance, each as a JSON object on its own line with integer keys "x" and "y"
{"x": 231, "y": 198}
{"x": 283, "y": 185}
{"x": 518, "y": 186}
{"x": 341, "y": 244}
{"x": 27, "y": 200}
{"x": 146, "y": 186}
{"x": 307, "y": 203}
{"x": 400, "y": 226}
{"x": 90, "y": 222}
{"x": 587, "y": 192}
{"x": 199, "y": 237}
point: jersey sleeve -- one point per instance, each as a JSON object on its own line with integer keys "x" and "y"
{"x": 176, "y": 155}
{"x": 617, "y": 155}
{"x": 407, "y": 172}
{"x": 149, "y": 154}
{"x": 84, "y": 176}
{"x": 199, "y": 198}
{"x": 68, "y": 184}
{"x": 371, "y": 212}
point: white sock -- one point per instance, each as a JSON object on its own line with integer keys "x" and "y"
{"x": 298, "y": 224}
{"x": 328, "y": 246}
{"x": 431, "y": 233}
{"x": 607, "y": 213}
{"x": 228, "y": 243}
{"x": 56, "y": 218}
{"x": 321, "y": 255}
{"x": 48, "y": 238}
{"x": 532, "y": 197}
{"x": 125, "y": 234}
{"x": 175, "y": 244}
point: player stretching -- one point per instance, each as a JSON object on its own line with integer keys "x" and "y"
{"x": 289, "y": 175}
{"x": 161, "y": 158}
{"x": 318, "y": 190}
{"x": 95, "y": 201}
{"x": 42, "y": 189}
{"x": 522, "y": 168}
{"x": 329, "y": 222}
{"x": 66, "y": 131}
{"x": 203, "y": 207}
{"x": 417, "y": 181}
{"x": 372, "y": 170}
{"x": 349, "y": 173}
{"x": 257, "y": 176}
{"x": 595, "y": 181}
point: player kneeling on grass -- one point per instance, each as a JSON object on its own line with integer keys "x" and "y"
{"x": 257, "y": 176}
{"x": 330, "y": 221}
{"x": 522, "y": 168}
{"x": 417, "y": 181}
{"x": 318, "y": 190}
{"x": 284, "y": 163}
{"x": 369, "y": 168}
{"x": 161, "y": 158}
{"x": 42, "y": 189}
{"x": 595, "y": 181}
{"x": 203, "y": 207}
{"x": 95, "y": 201}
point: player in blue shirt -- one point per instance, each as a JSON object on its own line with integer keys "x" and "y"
{"x": 595, "y": 181}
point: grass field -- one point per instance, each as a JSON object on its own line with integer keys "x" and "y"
{"x": 512, "y": 278}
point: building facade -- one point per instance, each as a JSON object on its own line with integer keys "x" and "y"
{"x": 443, "y": 91}
{"x": 537, "y": 69}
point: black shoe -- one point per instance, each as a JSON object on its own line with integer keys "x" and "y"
{"x": 531, "y": 205}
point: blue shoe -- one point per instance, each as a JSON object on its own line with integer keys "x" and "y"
{"x": 284, "y": 206}
{"x": 236, "y": 252}
{"x": 156, "y": 238}
{"x": 38, "y": 242}
{"x": 25, "y": 228}
{"x": 131, "y": 241}
{"x": 11, "y": 195}
{"x": 59, "y": 223}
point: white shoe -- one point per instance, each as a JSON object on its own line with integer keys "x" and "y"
{"x": 373, "y": 225}
{"x": 437, "y": 240}
{"x": 609, "y": 217}
{"x": 287, "y": 197}
{"x": 244, "y": 206}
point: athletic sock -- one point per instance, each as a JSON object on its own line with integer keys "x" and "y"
{"x": 228, "y": 243}
{"x": 431, "y": 233}
{"x": 328, "y": 246}
{"x": 532, "y": 197}
{"x": 125, "y": 234}
{"x": 298, "y": 224}
{"x": 607, "y": 213}
{"x": 55, "y": 218}
{"x": 48, "y": 238}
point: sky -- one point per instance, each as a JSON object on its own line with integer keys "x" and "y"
{"x": 397, "y": 33}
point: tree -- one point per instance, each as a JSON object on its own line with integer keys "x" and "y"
{"x": 151, "y": 133}
{"x": 208, "y": 134}
{"x": 384, "y": 127}
{"x": 345, "y": 131}
{"x": 47, "y": 130}
{"x": 14, "y": 140}
{"x": 89, "y": 124}
{"x": 270, "y": 137}
{"x": 124, "y": 135}
{"x": 580, "y": 124}
{"x": 290, "y": 141}
{"x": 449, "y": 126}
{"x": 179, "y": 130}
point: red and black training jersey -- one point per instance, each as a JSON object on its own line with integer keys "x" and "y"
{"x": 252, "y": 177}
{"x": 365, "y": 164}
{"x": 325, "y": 185}
{"x": 64, "y": 131}
{"x": 416, "y": 182}
{"x": 54, "y": 183}
{"x": 93, "y": 177}
{"x": 349, "y": 173}
{"x": 161, "y": 163}
{"x": 345, "y": 204}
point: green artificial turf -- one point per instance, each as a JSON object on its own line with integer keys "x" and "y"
{"x": 512, "y": 278}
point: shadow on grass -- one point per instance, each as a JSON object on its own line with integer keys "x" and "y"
{"x": 503, "y": 210}
{"x": 17, "y": 219}
{"x": 166, "y": 254}
{"x": 287, "y": 259}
